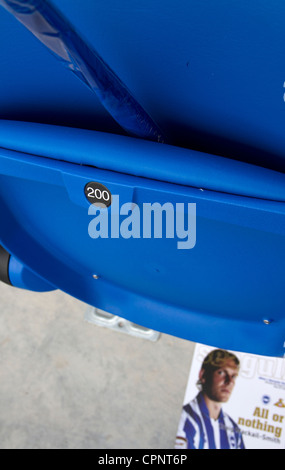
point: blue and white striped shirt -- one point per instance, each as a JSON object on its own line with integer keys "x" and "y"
{"x": 198, "y": 431}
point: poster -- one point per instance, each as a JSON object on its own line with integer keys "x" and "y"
{"x": 251, "y": 411}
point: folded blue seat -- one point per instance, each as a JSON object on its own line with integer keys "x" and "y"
{"x": 210, "y": 159}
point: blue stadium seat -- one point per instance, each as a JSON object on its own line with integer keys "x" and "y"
{"x": 166, "y": 106}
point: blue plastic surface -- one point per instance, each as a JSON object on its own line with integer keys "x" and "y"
{"x": 211, "y": 74}
{"x": 219, "y": 292}
{"x": 23, "y": 278}
{"x": 145, "y": 159}
{"x": 59, "y": 36}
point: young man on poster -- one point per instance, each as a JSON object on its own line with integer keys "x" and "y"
{"x": 203, "y": 423}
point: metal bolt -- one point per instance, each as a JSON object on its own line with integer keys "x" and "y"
{"x": 267, "y": 322}
{"x": 95, "y": 276}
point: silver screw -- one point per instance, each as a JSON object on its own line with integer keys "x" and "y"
{"x": 267, "y": 322}
{"x": 95, "y": 276}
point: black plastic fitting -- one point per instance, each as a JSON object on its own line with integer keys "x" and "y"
{"x": 4, "y": 266}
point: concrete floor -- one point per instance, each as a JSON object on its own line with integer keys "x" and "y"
{"x": 69, "y": 384}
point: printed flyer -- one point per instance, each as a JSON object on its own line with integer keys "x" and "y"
{"x": 233, "y": 400}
